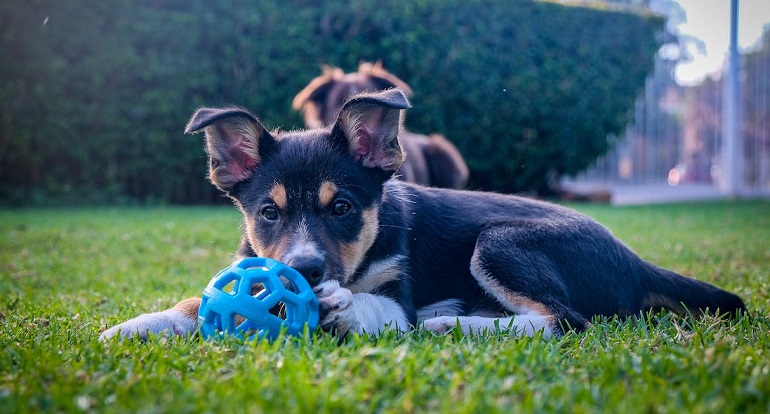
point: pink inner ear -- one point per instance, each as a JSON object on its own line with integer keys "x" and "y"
{"x": 246, "y": 159}
{"x": 241, "y": 166}
{"x": 240, "y": 161}
{"x": 364, "y": 142}
{"x": 371, "y": 131}
{"x": 238, "y": 173}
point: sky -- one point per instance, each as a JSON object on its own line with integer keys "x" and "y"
{"x": 709, "y": 21}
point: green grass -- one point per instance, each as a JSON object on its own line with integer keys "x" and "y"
{"x": 65, "y": 275}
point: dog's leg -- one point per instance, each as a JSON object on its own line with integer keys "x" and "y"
{"x": 343, "y": 311}
{"x": 447, "y": 307}
{"x": 445, "y": 163}
{"x": 519, "y": 325}
{"x": 181, "y": 320}
{"x": 523, "y": 280}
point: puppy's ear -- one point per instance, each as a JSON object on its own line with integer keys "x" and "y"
{"x": 235, "y": 141}
{"x": 368, "y": 126}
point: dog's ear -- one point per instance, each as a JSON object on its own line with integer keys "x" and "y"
{"x": 381, "y": 78}
{"x": 368, "y": 126}
{"x": 312, "y": 100}
{"x": 235, "y": 141}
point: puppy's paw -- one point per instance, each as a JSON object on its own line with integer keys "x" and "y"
{"x": 337, "y": 314}
{"x": 167, "y": 323}
{"x": 441, "y": 324}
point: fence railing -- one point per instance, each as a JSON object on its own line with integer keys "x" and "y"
{"x": 676, "y": 137}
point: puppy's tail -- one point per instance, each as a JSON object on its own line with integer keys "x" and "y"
{"x": 682, "y": 295}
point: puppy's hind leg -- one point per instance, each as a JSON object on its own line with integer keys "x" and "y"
{"x": 510, "y": 265}
{"x": 526, "y": 325}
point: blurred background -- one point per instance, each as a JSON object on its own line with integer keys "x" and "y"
{"x": 674, "y": 149}
{"x": 578, "y": 99}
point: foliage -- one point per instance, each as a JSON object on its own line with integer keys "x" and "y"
{"x": 67, "y": 274}
{"x": 94, "y": 94}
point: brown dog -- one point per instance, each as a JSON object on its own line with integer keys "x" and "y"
{"x": 430, "y": 160}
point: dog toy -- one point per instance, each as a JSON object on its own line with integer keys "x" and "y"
{"x": 238, "y": 300}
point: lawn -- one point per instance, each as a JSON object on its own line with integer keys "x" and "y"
{"x": 67, "y": 274}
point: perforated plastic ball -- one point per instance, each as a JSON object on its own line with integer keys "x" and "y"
{"x": 250, "y": 288}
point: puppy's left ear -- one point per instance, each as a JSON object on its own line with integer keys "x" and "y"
{"x": 368, "y": 126}
{"x": 236, "y": 142}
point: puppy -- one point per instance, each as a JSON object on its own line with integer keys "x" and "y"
{"x": 381, "y": 252}
{"x": 430, "y": 160}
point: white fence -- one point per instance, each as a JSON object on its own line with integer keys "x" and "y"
{"x": 674, "y": 145}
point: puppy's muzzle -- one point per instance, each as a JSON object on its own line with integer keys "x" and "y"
{"x": 311, "y": 267}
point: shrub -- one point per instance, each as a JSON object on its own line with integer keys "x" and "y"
{"x": 94, "y": 94}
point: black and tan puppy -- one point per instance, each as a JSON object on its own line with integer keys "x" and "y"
{"x": 430, "y": 160}
{"x": 381, "y": 252}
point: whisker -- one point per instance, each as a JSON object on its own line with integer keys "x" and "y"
{"x": 396, "y": 227}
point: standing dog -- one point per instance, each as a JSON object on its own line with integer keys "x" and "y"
{"x": 430, "y": 160}
{"x": 380, "y": 252}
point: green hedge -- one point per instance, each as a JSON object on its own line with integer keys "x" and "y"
{"x": 94, "y": 94}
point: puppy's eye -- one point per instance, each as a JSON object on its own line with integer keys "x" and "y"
{"x": 340, "y": 207}
{"x": 269, "y": 213}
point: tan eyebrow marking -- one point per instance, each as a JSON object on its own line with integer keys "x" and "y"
{"x": 278, "y": 194}
{"x": 327, "y": 192}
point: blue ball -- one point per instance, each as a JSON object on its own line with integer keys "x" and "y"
{"x": 249, "y": 288}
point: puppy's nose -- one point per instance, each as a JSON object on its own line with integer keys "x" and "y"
{"x": 311, "y": 267}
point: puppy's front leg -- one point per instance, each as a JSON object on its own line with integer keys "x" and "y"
{"x": 181, "y": 320}
{"x": 343, "y": 311}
